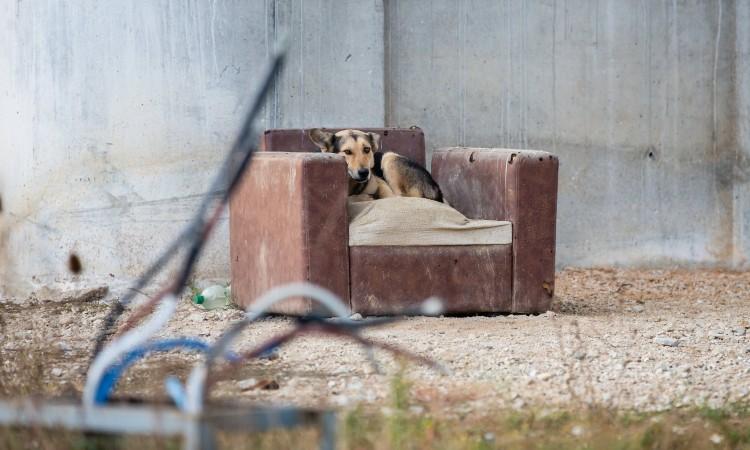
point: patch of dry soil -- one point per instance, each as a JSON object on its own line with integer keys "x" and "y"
{"x": 603, "y": 343}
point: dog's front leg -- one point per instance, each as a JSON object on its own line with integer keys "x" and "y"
{"x": 383, "y": 189}
{"x": 360, "y": 198}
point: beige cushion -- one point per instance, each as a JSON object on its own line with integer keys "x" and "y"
{"x": 407, "y": 221}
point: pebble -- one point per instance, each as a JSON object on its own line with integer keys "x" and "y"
{"x": 356, "y": 317}
{"x": 716, "y": 334}
{"x": 666, "y": 341}
{"x": 739, "y": 331}
{"x": 56, "y": 372}
{"x": 247, "y": 384}
{"x": 716, "y": 439}
{"x": 577, "y": 431}
{"x": 416, "y": 410}
{"x": 638, "y": 309}
{"x": 63, "y": 347}
{"x": 271, "y": 354}
{"x": 545, "y": 376}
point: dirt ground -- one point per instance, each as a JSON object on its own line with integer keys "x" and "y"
{"x": 603, "y": 343}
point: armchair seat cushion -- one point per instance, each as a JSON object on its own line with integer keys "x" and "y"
{"x": 409, "y": 221}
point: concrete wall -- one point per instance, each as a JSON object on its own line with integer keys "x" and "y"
{"x": 740, "y": 108}
{"x": 634, "y": 96}
{"x": 114, "y": 114}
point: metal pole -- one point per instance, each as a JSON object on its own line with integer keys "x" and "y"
{"x": 327, "y": 431}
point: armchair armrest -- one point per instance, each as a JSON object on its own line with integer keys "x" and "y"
{"x": 288, "y": 222}
{"x": 519, "y": 186}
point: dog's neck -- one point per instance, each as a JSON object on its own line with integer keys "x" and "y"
{"x": 357, "y": 187}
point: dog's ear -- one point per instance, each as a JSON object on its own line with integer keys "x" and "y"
{"x": 375, "y": 139}
{"x": 323, "y": 139}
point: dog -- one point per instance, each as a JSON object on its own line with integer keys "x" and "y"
{"x": 373, "y": 174}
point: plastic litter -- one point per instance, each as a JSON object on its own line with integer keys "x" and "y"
{"x": 214, "y": 297}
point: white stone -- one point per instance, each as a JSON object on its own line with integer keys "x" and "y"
{"x": 247, "y": 384}
{"x": 666, "y": 341}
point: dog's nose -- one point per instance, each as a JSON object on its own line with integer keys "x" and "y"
{"x": 363, "y": 173}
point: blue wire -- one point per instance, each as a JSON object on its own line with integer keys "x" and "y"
{"x": 115, "y": 371}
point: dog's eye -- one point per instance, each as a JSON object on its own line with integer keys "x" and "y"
{"x": 347, "y": 152}
{"x": 367, "y": 149}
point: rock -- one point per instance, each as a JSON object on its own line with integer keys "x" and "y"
{"x": 416, "y": 410}
{"x": 65, "y": 348}
{"x": 666, "y": 341}
{"x": 716, "y": 439}
{"x": 252, "y": 383}
{"x": 638, "y": 309}
{"x": 519, "y": 403}
{"x": 56, "y": 372}
{"x": 716, "y": 334}
{"x": 270, "y": 355}
{"x": 739, "y": 331}
{"x": 577, "y": 431}
{"x": 86, "y": 295}
{"x": 247, "y": 384}
{"x": 268, "y": 385}
{"x": 356, "y": 317}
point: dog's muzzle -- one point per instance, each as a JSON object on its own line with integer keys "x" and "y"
{"x": 360, "y": 176}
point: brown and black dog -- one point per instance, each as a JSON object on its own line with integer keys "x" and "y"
{"x": 374, "y": 174}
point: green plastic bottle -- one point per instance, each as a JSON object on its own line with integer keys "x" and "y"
{"x": 214, "y": 297}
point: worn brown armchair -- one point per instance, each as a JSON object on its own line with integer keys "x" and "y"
{"x": 288, "y": 222}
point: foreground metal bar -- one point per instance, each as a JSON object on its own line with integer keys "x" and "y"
{"x": 111, "y": 419}
{"x": 197, "y": 431}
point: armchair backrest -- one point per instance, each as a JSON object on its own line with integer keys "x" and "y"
{"x": 404, "y": 141}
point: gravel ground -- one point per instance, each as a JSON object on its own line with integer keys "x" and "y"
{"x": 645, "y": 340}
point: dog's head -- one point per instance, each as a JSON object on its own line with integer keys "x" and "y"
{"x": 357, "y": 147}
